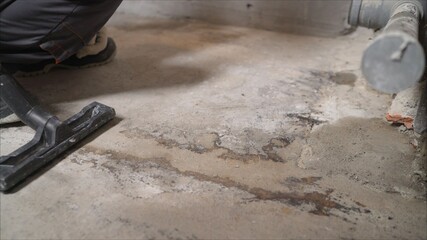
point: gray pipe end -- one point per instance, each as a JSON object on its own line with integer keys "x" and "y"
{"x": 394, "y": 62}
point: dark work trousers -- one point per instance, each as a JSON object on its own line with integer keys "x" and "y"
{"x": 35, "y": 30}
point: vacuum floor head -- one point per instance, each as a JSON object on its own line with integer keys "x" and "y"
{"x": 52, "y": 137}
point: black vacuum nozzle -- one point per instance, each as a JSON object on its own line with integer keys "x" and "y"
{"x": 52, "y": 136}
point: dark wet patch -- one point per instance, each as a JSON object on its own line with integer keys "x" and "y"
{"x": 323, "y": 203}
{"x": 340, "y": 78}
{"x": 305, "y": 180}
{"x": 359, "y": 204}
{"x": 310, "y": 180}
{"x": 344, "y": 78}
{"x": 242, "y": 157}
{"x": 306, "y": 119}
{"x": 167, "y": 143}
{"x": 271, "y": 148}
{"x": 270, "y": 151}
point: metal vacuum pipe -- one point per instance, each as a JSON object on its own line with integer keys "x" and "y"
{"x": 395, "y": 60}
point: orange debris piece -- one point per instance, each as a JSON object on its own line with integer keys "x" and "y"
{"x": 399, "y": 119}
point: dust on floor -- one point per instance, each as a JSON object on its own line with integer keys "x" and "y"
{"x": 223, "y": 132}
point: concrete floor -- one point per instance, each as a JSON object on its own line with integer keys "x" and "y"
{"x": 222, "y": 132}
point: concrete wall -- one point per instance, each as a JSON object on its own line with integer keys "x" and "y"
{"x": 318, "y": 17}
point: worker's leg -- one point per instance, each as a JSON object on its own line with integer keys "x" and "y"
{"x": 34, "y": 31}
{"x": 36, "y": 34}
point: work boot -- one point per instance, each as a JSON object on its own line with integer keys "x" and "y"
{"x": 101, "y": 50}
{"x": 84, "y": 58}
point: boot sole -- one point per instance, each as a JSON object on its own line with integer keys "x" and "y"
{"x": 49, "y": 67}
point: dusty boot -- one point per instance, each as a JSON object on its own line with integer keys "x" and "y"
{"x": 99, "y": 51}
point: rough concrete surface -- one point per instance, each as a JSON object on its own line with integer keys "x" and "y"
{"x": 324, "y": 18}
{"x": 222, "y": 132}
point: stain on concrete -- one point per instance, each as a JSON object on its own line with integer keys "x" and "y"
{"x": 344, "y": 78}
{"x": 306, "y": 119}
{"x": 341, "y": 77}
{"x": 322, "y": 203}
{"x": 271, "y": 149}
{"x": 304, "y": 180}
{"x": 212, "y": 142}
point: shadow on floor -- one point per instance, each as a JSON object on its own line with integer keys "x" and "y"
{"x": 146, "y": 59}
{"x": 142, "y": 69}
